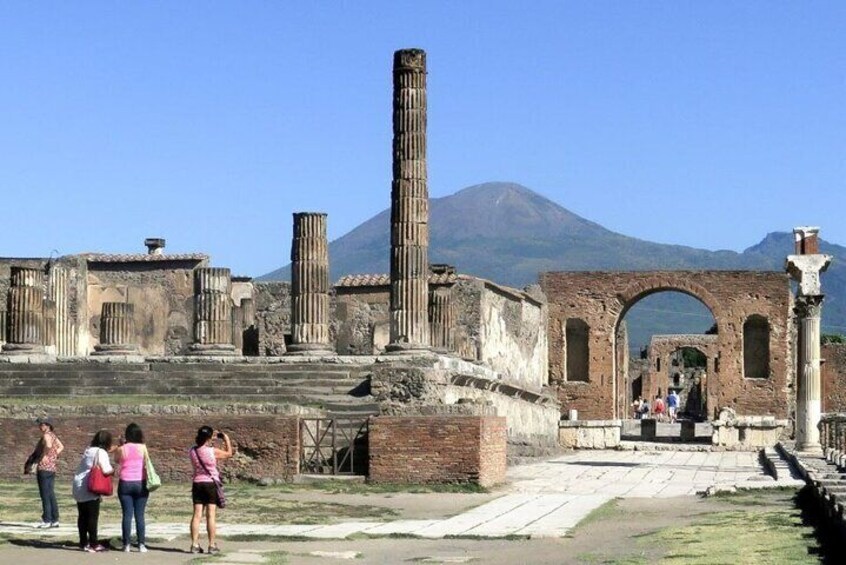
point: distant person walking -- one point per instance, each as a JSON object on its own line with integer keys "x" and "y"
{"x": 88, "y": 503}
{"x": 204, "y": 489}
{"x": 45, "y": 473}
{"x": 658, "y": 408}
{"x": 672, "y": 405}
{"x": 132, "y": 490}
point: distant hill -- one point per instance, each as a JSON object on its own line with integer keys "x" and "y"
{"x": 508, "y": 233}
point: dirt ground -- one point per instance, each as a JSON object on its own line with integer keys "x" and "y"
{"x": 613, "y": 534}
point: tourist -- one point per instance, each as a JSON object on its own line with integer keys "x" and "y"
{"x": 88, "y": 503}
{"x": 636, "y": 408}
{"x": 644, "y": 408}
{"x": 132, "y": 490}
{"x": 672, "y": 405}
{"x": 658, "y": 408}
{"x": 206, "y": 482}
{"x": 45, "y": 474}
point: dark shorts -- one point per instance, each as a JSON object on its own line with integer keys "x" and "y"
{"x": 204, "y": 493}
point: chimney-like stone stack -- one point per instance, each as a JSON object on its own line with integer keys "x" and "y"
{"x": 212, "y": 312}
{"x": 117, "y": 329}
{"x": 805, "y": 268}
{"x": 25, "y": 310}
{"x": 409, "y": 309}
{"x": 310, "y": 286}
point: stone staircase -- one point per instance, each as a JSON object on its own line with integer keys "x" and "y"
{"x": 340, "y": 390}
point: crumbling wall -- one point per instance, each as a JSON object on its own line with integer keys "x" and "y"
{"x": 834, "y": 377}
{"x": 512, "y": 338}
{"x": 162, "y": 294}
{"x": 602, "y": 299}
{"x": 273, "y": 317}
{"x": 361, "y": 321}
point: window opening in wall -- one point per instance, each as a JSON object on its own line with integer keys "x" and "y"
{"x": 756, "y": 347}
{"x": 578, "y": 357}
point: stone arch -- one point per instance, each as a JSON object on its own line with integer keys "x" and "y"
{"x": 665, "y": 282}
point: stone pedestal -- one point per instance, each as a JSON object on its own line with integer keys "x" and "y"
{"x": 648, "y": 429}
{"x": 25, "y": 310}
{"x": 212, "y": 312}
{"x": 117, "y": 330}
{"x": 409, "y": 308}
{"x": 310, "y": 286}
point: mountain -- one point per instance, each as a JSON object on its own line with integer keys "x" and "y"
{"x": 508, "y": 233}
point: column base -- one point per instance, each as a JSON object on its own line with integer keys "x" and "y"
{"x": 23, "y": 349}
{"x": 406, "y": 349}
{"x": 115, "y": 349}
{"x": 212, "y": 350}
{"x": 806, "y": 447}
{"x": 309, "y": 349}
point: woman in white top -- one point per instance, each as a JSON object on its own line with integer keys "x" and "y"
{"x": 88, "y": 503}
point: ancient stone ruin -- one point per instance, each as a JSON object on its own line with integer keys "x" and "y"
{"x": 420, "y": 353}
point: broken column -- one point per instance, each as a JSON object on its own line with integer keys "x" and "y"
{"x": 25, "y": 312}
{"x": 117, "y": 330}
{"x": 442, "y": 319}
{"x": 409, "y": 310}
{"x": 212, "y": 312}
{"x": 310, "y": 286}
{"x": 805, "y": 268}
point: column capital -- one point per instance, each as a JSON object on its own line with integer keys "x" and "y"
{"x": 806, "y": 269}
{"x": 808, "y": 306}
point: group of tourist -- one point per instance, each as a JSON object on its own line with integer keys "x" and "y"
{"x": 661, "y": 409}
{"x": 131, "y": 459}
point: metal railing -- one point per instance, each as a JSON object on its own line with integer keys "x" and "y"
{"x": 333, "y": 446}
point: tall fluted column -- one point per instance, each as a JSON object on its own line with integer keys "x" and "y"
{"x": 212, "y": 312}
{"x": 3, "y": 326}
{"x": 310, "y": 286}
{"x": 409, "y": 308}
{"x": 805, "y": 268}
{"x": 117, "y": 329}
{"x": 442, "y": 320}
{"x": 25, "y": 312}
{"x": 48, "y": 332}
{"x": 809, "y": 394}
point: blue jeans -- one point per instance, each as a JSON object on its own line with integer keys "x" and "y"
{"x": 46, "y": 490}
{"x": 133, "y": 497}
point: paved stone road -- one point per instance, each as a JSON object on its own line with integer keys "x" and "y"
{"x": 542, "y": 500}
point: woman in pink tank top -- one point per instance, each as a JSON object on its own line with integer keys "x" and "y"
{"x": 204, "y": 457}
{"x": 132, "y": 487}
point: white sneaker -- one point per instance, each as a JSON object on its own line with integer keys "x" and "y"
{"x": 142, "y": 548}
{"x": 127, "y": 548}
{"x": 54, "y": 524}
{"x": 43, "y": 525}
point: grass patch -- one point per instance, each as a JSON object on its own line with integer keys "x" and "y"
{"x": 599, "y": 513}
{"x": 737, "y": 536}
{"x": 247, "y": 504}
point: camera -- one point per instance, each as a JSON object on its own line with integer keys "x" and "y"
{"x": 219, "y": 435}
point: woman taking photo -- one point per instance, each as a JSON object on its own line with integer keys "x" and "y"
{"x": 204, "y": 457}
{"x": 132, "y": 490}
{"x": 88, "y": 503}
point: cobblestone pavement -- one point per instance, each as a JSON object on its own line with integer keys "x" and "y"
{"x": 541, "y": 500}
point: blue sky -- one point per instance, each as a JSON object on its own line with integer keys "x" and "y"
{"x": 700, "y": 123}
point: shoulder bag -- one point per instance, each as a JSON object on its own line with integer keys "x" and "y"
{"x": 151, "y": 478}
{"x": 98, "y": 482}
{"x": 221, "y": 498}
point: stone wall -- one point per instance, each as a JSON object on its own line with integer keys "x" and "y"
{"x": 266, "y": 445}
{"x": 601, "y": 300}
{"x": 834, "y": 377}
{"x": 362, "y": 320}
{"x": 162, "y": 294}
{"x": 273, "y": 317}
{"x": 438, "y": 449}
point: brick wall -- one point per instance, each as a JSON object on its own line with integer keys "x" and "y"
{"x": 438, "y": 449}
{"x": 601, "y": 299}
{"x": 834, "y": 377}
{"x": 267, "y": 446}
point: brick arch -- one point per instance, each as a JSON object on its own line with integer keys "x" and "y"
{"x": 664, "y": 282}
